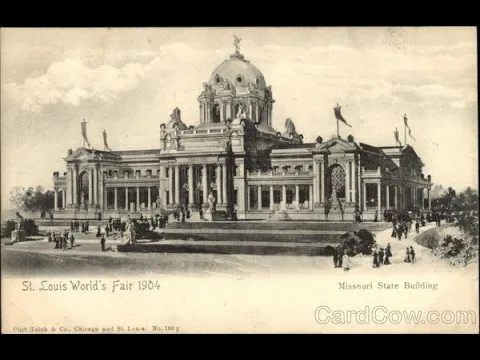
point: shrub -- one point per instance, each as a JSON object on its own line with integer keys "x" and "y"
{"x": 358, "y": 242}
{"x": 7, "y": 228}
{"x": 30, "y": 227}
{"x": 457, "y": 251}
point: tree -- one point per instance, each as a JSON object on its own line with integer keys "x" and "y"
{"x": 32, "y": 199}
{"x": 437, "y": 191}
{"x": 451, "y": 201}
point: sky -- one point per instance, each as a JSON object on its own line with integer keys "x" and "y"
{"x": 128, "y": 80}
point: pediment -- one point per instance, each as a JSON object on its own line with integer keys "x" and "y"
{"x": 84, "y": 155}
{"x": 336, "y": 145}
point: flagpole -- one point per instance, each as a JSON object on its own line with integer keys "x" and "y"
{"x": 338, "y": 133}
{"x": 405, "y": 134}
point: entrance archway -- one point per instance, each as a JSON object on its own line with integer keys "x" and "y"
{"x": 336, "y": 181}
{"x": 83, "y": 190}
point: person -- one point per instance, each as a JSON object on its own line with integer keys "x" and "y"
{"x": 417, "y": 226}
{"x": 72, "y": 239}
{"x": 375, "y": 258}
{"x": 98, "y": 231}
{"x": 407, "y": 256}
{"x": 102, "y": 242}
{"x": 376, "y": 216}
{"x": 340, "y": 253}
{"x": 394, "y": 231}
{"x": 64, "y": 241}
{"x": 335, "y": 258}
{"x": 346, "y": 262}
{"x": 388, "y": 254}
{"x": 381, "y": 254}
{"x": 399, "y": 232}
{"x": 412, "y": 254}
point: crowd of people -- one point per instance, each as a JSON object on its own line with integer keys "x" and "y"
{"x": 61, "y": 240}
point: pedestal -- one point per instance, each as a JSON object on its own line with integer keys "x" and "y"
{"x": 19, "y": 236}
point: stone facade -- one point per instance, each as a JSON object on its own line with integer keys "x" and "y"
{"x": 235, "y": 154}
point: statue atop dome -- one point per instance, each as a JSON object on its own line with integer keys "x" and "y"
{"x": 236, "y": 42}
{"x": 237, "y": 55}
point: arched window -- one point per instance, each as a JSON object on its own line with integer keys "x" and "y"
{"x": 216, "y": 113}
{"x": 260, "y": 114}
{"x": 239, "y": 78}
{"x": 257, "y": 81}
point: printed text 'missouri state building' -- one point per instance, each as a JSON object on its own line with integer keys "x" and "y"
{"x": 235, "y": 154}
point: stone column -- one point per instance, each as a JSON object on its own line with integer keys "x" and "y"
{"x": 55, "y": 196}
{"x": 102, "y": 197}
{"x": 315, "y": 182}
{"x": 364, "y": 196}
{"x": 95, "y": 186}
{"x": 205, "y": 184}
{"x": 126, "y": 199}
{"x": 115, "y": 203}
{"x": 379, "y": 196}
{"x": 249, "y": 203}
{"x": 149, "y": 198}
{"x": 297, "y": 197}
{"x": 177, "y": 184}
{"x": 256, "y": 113}
{"x": 224, "y": 183}
{"x": 259, "y": 197}
{"x": 271, "y": 197}
{"x": 69, "y": 186}
{"x": 201, "y": 113}
{"x": 347, "y": 182}
{"x": 395, "y": 198}
{"x": 387, "y": 193}
{"x": 137, "y": 208}
{"x": 250, "y": 109}
{"x": 354, "y": 182}
{"x": 64, "y": 198}
{"x": 310, "y": 196}
{"x": 228, "y": 110}
{"x": 322, "y": 182}
{"x": 170, "y": 185}
{"x": 429, "y": 200}
{"x": 90, "y": 187}
{"x": 190, "y": 184}
{"x": 218, "y": 181}
{"x": 222, "y": 111}
{"x": 284, "y": 197}
{"x": 74, "y": 194}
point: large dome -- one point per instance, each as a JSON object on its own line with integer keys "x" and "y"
{"x": 238, "y": 72}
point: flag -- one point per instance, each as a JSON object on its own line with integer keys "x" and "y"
{"x": 405, "y": 121}
{"x": 397, "y": 139}
{"x": 410, "y": 134}
{"x": 105, "y": 140}
{"x": 84, "y": 132}
{"x": 339, "y": 116}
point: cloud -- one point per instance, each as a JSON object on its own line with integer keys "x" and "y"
{"x": 70, "y": 82}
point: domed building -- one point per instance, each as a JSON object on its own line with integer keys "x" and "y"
{"x": 234, "y": 164}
